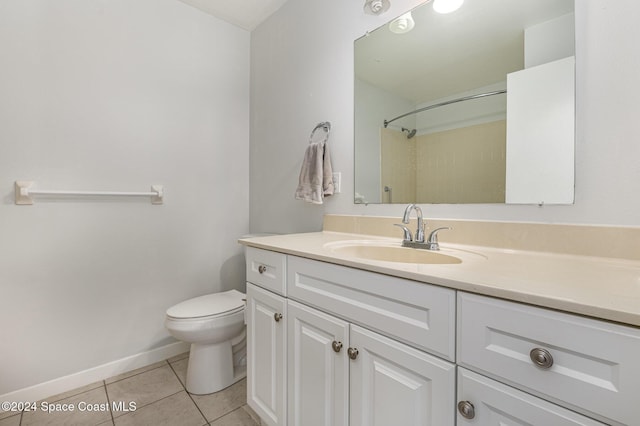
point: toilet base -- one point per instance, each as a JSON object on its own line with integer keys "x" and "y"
{"x": 211, "y": 368}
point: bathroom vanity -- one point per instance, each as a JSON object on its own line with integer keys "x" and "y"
{"x": 334, "y": 339}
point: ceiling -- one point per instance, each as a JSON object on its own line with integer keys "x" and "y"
{"x": 247, "y": 14}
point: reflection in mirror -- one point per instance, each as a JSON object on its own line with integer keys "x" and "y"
{"x": 475, "y": 106}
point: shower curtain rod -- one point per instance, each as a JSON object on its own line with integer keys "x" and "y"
{"x": 453, "y": 101}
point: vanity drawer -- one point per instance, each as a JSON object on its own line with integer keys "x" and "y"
{"x": 267, "y": 269}
{"x": 497, "y": 404}
{"x": 594, "y": 367}
{"x": 418, "y": 314}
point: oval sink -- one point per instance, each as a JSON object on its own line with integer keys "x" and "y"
{"x": 391, "y": 253}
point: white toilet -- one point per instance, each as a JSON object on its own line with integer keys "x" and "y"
{"x": 214, "y": 325}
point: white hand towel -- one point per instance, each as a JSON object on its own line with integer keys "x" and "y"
{"x": 316, "y": 175}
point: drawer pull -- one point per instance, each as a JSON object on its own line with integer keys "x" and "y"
{"x": 262, "y": 269}
{"x": 541, "y": 358}
{"x": 466, "y": 409}
{"x": 353, "y": 353}
{"x": 337, "y": 346}
{"x": 277, "y": 316}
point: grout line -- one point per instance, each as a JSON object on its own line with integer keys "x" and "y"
{"x": 226, "y": 414}
{"x": 151, "y": 402}
{"x": 177, "y": 377}
{"x": 184, "y": 386}
{"x": 106, "y": 391}
{"x": 138, "y": 407}
{"x": 233, "y": 411}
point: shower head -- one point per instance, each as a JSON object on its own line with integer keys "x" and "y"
{"x": 410, "y": 133}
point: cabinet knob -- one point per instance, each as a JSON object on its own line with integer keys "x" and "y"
{"x": 353, "y": 353}
{"x": 337, "y": 346}
{"x": 277, "y": 316}
{"x": 466, "y": 409}
{"x": 262, "y": 269}
{"x": 541, "y": 358}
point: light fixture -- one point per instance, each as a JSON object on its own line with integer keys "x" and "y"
{"x": 402, "y": 24}
{"x": 447, "y": 6}
{"x": 376, "y": 7}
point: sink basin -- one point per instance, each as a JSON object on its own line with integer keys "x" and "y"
{"x": 388, "y": 252}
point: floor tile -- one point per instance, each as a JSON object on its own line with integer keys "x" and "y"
{"x": 177, "y": 409}
{"x": 13, "y": 420}
{"x": 218, "y": 404}
{"x": 238, "y": 417}
{"x": 159, "y": 397}
{"x": 5, "y": 414}
{"x": 79, "y": 416}
{"x": 180, "y": 368}
{"x": 135, "y": 372}
{"x": 144, "y": 388}
{"x": 252, "y": 413}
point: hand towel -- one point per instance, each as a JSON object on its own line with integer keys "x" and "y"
{"x": 316, "y": 175}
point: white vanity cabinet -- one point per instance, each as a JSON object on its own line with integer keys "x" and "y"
{"x": 334, "y": 346}
{"x": 586, "y": 365}
{"x": 341, "y": 374}
{"x": 318, "y": 368}
{"x": 486, "y": 402}
{"x": 266, "y": 314}
{"x": 395, "y": 384}
{"x": 339, "y": 371}
{"x": 266, "y": 354}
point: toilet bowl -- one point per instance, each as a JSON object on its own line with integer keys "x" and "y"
{"x": 214, "y": 326}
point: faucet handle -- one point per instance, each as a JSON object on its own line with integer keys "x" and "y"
{"x": 432, "y": 241}
{"x": 407, "y": 233}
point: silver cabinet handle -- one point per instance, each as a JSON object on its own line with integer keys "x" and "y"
{"x": 337, "y": 346}
{"x": 353, "y": 353}
{"x": 466, "y": 409}
{"x": 541, "y": 358}
{"x": 277, "y": 316}
{"x": 262, "y": 269}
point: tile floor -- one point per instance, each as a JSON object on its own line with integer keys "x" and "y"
{"x": 160, "y": 398}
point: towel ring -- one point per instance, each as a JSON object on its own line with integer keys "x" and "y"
{"x": 326, "y": 126}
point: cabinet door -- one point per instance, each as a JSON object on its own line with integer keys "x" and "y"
{"x": 486, "y": 402}
{"x": 394, "y": 384}
{"x": 318, "y": 368}
{"x": 266, "y": 355}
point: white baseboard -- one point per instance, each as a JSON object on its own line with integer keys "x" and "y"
{"x": 95, "y": 374}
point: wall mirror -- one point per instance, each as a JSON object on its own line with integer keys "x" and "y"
{"x": 473, "y": 106}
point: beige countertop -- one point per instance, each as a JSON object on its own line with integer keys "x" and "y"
{"x": 604, "y": 288}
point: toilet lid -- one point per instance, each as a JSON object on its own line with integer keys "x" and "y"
{"x": 208, "y": 305}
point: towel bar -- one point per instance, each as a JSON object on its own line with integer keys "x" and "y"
{"x": 24, "y": 194}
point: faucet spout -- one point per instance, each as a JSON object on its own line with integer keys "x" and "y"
{"x": 405, "y": 219}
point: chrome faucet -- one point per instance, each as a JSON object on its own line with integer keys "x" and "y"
{"x": 405, "y": 219}
{"x": 418, "y": 242}
{"x": 432, "y": 241}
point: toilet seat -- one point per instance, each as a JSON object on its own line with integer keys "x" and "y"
{"x": 208, "y": 306}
